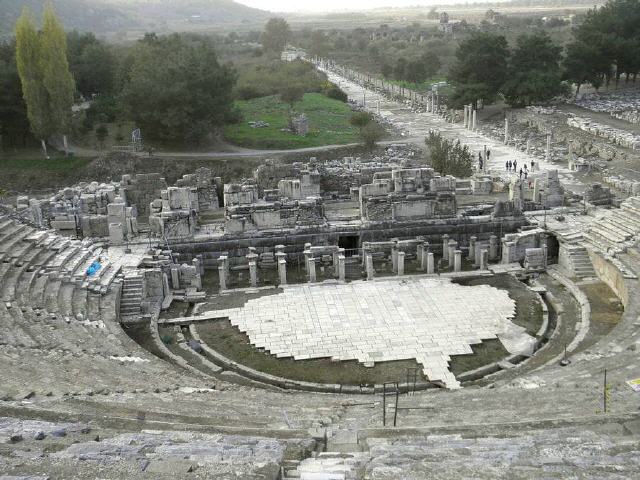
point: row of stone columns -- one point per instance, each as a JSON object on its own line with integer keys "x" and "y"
{"x": 480, "y": 254}
{"x": 470, "y": 117}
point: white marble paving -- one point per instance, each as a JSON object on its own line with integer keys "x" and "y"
{"x": 426, "y": 319}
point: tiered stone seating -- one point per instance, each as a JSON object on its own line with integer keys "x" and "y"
{"x": 59, "y": 335}
{"x": 617, "y": 230}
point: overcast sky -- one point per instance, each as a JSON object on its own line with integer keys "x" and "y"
{"x": 332, "y": 5}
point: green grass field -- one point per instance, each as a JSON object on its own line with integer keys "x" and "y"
{"x": 57, "y": 164}
{"x": 328, "y": 123}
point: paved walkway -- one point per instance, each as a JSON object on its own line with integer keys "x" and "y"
{"x": 416, "y": 125}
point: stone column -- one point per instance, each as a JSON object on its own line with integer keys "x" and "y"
{"x": 311, "y": 268}
{"x": 453, "y": 246}
{"x": 420, "y": 257}
{"x": 424, "y": 260}
{"x": 547, "y": 155}
{"x": 400, "y": 263}
{"x": 493, "y": 247}
{"x": 341, "y": 268}
{"x": 484, "y": 259}
{"x": 445, "y": 246}
{"x": 544, "y": 253}
{"x": 175, "y": 277}
{"x": 253, "y": 269}
{"x": 222, "y": 272}
{"x": 507, "y": 253}
{"x": 474, "y": 121}
{"x": 430, "y": 263}
{"x": 472, "y": 248}
{"x": 506, "y": 130}
{"x": 369, "y": 266}
{"x": 477, "y": 254}
{"x": 528, "y": 145}
{"x": 464, "y": 116}
{"x": 457, "y": 261}
{"x": 394, "y": 258}
{"x": 308, "y": 256}
{"x": 282, "y": 266}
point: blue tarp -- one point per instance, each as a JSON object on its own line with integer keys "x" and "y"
{"x": 93, "y": 268}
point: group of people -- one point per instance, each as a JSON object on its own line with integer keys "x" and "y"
{"x": 513, "y": 166}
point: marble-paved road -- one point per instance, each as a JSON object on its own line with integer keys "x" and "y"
{"x": 416, "y": 126}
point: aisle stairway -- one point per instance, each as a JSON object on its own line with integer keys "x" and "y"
{"x": 131, "y": 298}
{"x": 577, "y": 262}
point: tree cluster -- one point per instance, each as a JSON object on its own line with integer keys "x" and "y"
{"x": 276, "y": 35}
{"x": 175, "y": 90}
{"x": 606, "y": 45}
{"x": 414, "y": 71}
{"x": 485, "y": 68}
{"x": 448, "y": 157}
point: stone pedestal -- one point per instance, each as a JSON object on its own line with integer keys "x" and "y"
{"x": 484, "y": 259}
{"x": 508, "y": 252}
{"x": 175, "y": 277}
{"x": 400, "y": 263}
{"x": 222, "y": 275}
{"x": 311, "y": 269}
{"x": 453, "y": 246}
{"x": 423, "y": 249}
{"x": 341, "y": 268}
{"x": 335, "y": 255}
{"x": 430, "y": 263}
{"x": 457, "y": 261}
{"x": 445, "y": 246}
{"x": 369, "y": 266}
{"x": 493, "y": 247}
{"x": 223, "y": 271}
{"x": 282, "y": 271}
{"x": 308, "y": 256}
{"x": 472, "y": 248}
{"x": 394, "y": 259}
{"x": 253, "y": 269}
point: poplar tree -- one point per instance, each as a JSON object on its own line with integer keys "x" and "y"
{"x": 34, "y": 92}
{"x": 56, "y": 75}
{"x": 47, "y": 83}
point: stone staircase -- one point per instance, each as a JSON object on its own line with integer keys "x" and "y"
{"x": 327, "y": 466}
{"x": 618, "y": 230}
{"x": 131, "y": 298}
{"x": 577, "y": 261}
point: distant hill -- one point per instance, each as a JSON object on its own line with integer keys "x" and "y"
{"x": 213, "y": 12}
{"x": 84, "y": 15}
{"x": 111, "y": 16}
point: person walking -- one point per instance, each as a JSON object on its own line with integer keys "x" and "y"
{"x": 506, "y": 165}
{"x": 515, "y": 165}
{"x": 521, "y": 174}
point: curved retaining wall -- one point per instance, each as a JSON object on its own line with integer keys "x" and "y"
{"x": 610, "y": 274}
